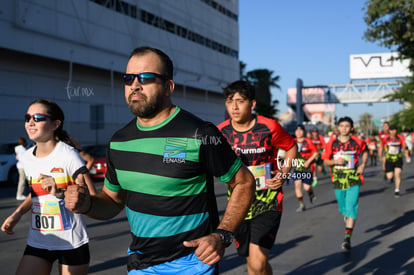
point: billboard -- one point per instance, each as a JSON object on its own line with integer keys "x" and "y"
{"x": 312, "y": 106}
{"x": 310, "y": 96}
{"x": 378, "y": 65}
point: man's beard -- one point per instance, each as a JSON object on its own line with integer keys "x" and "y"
{"x": 144, "y": 108}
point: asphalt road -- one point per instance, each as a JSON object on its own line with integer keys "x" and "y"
{"x": 307, "y": 242}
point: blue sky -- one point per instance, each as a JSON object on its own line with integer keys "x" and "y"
{"x": 311, "y": 40}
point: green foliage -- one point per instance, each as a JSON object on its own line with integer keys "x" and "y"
{"x": 242, "y": 70}
{"x": 263, "y": 77}
{"x": 263, "y": 80}
{"x": 365, "y": 123}
{"x": 405, "y": 93}
{"x": 267, "y": 110}
{"x": 391, "y": 24}
{"x": 404, "y": 119}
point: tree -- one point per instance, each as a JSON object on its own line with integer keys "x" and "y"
{"x": 405, "y": 118}
{"x": 366, "y": 124}
{"x": 263, "y": 80}
{"x": 242, "y": 66}
{"x": 391, "y": 23}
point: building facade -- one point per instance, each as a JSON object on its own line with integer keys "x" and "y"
{"x": 75, "y": 51}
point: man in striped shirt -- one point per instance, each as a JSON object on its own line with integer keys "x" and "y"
{"x": 160, "y": 166}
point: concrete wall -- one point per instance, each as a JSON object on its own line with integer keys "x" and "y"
{"x": 74, "y": 52}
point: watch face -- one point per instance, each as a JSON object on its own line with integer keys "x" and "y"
{"x": 226, "y": 236}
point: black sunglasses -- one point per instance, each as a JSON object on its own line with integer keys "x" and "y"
{"x": 36, "y": 117}
{"x": 143, "y": 78}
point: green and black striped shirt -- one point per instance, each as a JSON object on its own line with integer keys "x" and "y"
{"x": 166, "y": 171}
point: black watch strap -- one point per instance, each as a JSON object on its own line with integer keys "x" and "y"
{"x": 225, "y": 236}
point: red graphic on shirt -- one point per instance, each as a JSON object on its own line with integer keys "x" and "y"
{"x": 56, "y": 170}
{"x": 306, "y": 148}
{"x": 260, "y": 144}
{"x": 319, "y": 142}
{"x": 398, "y": 140}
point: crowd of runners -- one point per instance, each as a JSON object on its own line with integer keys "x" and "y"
{"x": 160, "y": 170}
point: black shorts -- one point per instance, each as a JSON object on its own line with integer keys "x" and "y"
{"x": 77, "y": 256}
{"x": 319, "y": 161}
{"x": 261, "y": 230}
{"x": 391, "y": 165}
{"x": 305, "y": 176}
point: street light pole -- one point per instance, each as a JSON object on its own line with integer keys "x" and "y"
{"x": 325, "y": 99}
{"x": 299, "y": 114}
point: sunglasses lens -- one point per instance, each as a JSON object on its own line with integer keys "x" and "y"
{"x": 36, "y": 117}
{"x": 39, "y": 117}
{"x": 143, "y": 78}
{"x": 146, "y": 78}
{"x": 128, "y": 78}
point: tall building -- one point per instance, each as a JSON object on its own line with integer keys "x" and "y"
{"x": 74, "y": 52}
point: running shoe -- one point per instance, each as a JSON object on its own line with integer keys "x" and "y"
{"x": 301, "y": 208}
{"x": 397, "y": 194}
{"x": 314, "y": 183}
{"x": 312, "y": 198}
{"x": 346, "y": 244}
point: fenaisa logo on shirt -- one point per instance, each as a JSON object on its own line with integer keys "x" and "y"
{"x": 175, "y": 150}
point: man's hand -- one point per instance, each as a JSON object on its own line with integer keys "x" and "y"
{"x": 48, "y": 183}
{"x": 235, "y": 150}
{"x": 339, "y": 161}
{"x": 277, "y": 181}
{"x": 210, "y": 248}
{"x": 77, "y": 197}
{"x": 361, "y": 169}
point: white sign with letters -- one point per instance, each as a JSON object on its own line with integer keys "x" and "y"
{"x": 378, "y": 65}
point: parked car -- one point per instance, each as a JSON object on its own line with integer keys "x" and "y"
{"x": 8, "y": 170}
{"x": 98, "y": 169}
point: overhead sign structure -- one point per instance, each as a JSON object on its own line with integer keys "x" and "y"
{"x": 312, "y": 99}
{"x": 378, "y": 65}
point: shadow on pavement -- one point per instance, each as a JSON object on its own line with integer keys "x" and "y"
{"x": 323, "y": 265}
{"x": 394, "y": 225}
{"x": 234, "y": 260}
{"x": 120, "y": 261}
{"x": 111, "y": 235}
{"x": 396, "y": 260}
{"x": 364, "y": 193}
{"x": 230, "y": 262}
{"x": 370, "y": 174}
{"x": 323, "y": 204}
{"x": 279, "y": 248}
{"x": 111, "y": 221}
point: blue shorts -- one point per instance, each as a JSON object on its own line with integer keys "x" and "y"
{"x": 187, "y": 265}
{"x": 348, "y": 201}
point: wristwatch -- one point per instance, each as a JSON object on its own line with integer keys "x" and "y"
{"x": 225, "y": 236}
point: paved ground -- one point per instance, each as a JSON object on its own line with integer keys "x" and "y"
{"x": 307, "y": 243}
